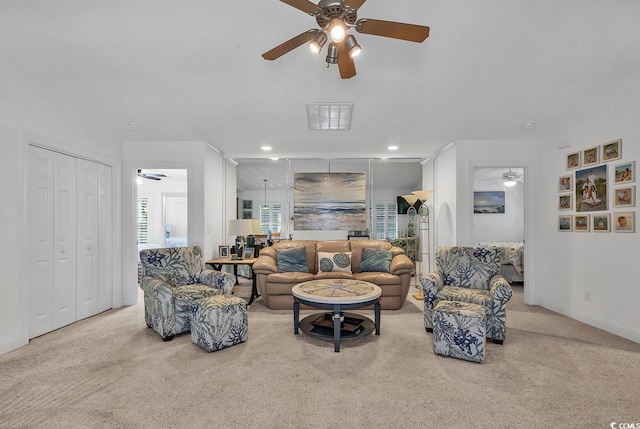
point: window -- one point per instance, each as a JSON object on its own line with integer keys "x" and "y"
{"x": 271, "y": 218}
{"x": 385, "y": 221}
{"x": 143, "y": 220}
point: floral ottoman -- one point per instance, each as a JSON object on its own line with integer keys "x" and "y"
{"x": 459, "y": 330}
{"x": 219, "y": 321}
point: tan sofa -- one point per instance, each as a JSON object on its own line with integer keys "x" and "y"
{"x": 275, "y": 287}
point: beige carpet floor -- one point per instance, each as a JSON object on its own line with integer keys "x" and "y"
{"x": 110, "y": 371}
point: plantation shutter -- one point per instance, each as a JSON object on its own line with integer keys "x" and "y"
{"x": 143, "y": 220}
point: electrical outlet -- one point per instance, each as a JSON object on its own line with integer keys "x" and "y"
{"x": 587, "y": 296}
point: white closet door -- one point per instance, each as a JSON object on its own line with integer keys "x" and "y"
{"x": 87, "y": 221}
{"x": 41, "y": 242}
{"x": 64, "y": 233}
{"x": 105, "y": 234}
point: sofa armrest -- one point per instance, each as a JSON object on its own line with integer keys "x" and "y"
{"x": 430, "y": 285}
{"x": 500, "y": 289}
{"x": 218, "y": 280}
{"x": 265, "y": 264}
{"x": 400, "y": 264}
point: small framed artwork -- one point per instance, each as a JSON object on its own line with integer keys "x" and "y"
{"x": 247, "y": 204}
{"x": 573, "y": 160}
{"x": 247, "y": 214}
{"x": 248, "y": 253}
{"x": 565, "y": 184}
{"x": 612, "y": 150}
{"x": 565, "y": 202}
{"x": 624, "y": 196}
{"x": 565, "y": 223}
{"x": 625, "y": 172}
{"x": 582, "y": 223}
{"x": 223, "y": 252}
{"x": 601, "y": 222}
{"x": 624, "y": 222}
{"x": 590, "y": 156}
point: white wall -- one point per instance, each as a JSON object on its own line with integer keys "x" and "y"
{"x": 603, "y": 264}
{"x": 445, "y": 197}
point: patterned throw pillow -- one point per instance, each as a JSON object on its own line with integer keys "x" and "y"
{"x": 292, "y": 260}
{"x": 328, "y": 262}
{"x": 375, "y": 260}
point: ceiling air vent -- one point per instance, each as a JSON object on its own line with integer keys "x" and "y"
{"x": 329, "y": 116}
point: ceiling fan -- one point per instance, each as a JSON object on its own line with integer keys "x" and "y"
{"x": 151, "y": 176}
{"x": 509, "y": 178}
{"x": 335, "y": 17}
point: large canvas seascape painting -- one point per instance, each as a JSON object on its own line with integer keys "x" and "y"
{"x": 488, "y": 202}
{"x": 329, "y": 201}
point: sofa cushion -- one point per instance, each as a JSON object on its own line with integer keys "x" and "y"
{"x": 375, "y": 260}
{"x": 328, "y": 262}
{"x": 292, "y": 260}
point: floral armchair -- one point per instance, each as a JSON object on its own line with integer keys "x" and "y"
{"x": 469, "y": 274}
{"x": 171, "y": 279}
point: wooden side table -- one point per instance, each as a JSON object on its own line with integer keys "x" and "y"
{"x": 217, "y": 265}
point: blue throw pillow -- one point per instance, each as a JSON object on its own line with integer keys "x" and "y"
{"x": 375, "y": 260}
{"x": 292, "y": 260}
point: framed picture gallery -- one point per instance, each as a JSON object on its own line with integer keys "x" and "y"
{"x": 624, "y": 196}
{"x": 612, "y": 150}
{"x": 573, "y": 161}
{"x": 565, "y": 183}
{"x": 601, "y": 222}
{"x": 591, "y": 156}
{"x": 624, "y": 221}
{"x": 625, "y": 173}
{"x": 582, "y": 223}
{"x": 565, "y": 223}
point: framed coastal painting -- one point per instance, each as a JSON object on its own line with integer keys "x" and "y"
{"x": 565, "y": 183}
{"x": 582, "y": 223}
{"x": 591, "y": 189}
{"x": 565, "y": 223}
{"x": 624, "y": 196}
{"x": 624, "y": 222}
{"x": 488, "y": 202}
{"x": 612, "y": 150}
{"x": 601, "y": 222}
{"x": 591, "y": 156}
{"x": 565, "y": 202}
{"x": 223, "y": 252}
{"x": 573, "y": 161}
{"x": 625, "y": 172}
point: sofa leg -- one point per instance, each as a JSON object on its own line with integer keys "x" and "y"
{"x": 428, "y": 329}
{"x": 498, "y": 341}
{"x": 167, "y": 338}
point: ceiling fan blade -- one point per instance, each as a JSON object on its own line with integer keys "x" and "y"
{"x": 290, "y": 45}
{"x": 353, "y": 4}
{"x": 395, "y": 30}
{"x": 304, "y": 5}
{"x": 345, "y": 62}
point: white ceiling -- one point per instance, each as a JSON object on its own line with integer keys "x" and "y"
{"x": 192, "y": 70}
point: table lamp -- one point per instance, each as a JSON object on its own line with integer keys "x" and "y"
{"x": 241, "y": 228}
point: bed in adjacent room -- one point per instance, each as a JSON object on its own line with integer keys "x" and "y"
{"x": 511, "y": 258}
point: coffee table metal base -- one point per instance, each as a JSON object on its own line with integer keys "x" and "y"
{"x": 337, "y": 314}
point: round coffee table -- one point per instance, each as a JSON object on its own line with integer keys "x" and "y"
{"x": 336, "y": 295}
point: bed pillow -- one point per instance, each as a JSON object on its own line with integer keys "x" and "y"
{"x": 292, "y": 260}
{"x": 332, "y": 262}
{"x": 375, "y": 260}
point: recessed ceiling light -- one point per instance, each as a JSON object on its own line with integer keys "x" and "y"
{"x": 266, "y": 148}
{"x": 394, "y": 147}
{"x": 528, "y": 125}
{"x": 134, "y": 127}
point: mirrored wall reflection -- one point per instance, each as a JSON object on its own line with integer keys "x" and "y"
{"x": 384, "y": 181}
{"x": 498, "y": 219}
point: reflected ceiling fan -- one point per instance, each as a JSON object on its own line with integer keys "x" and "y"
{"x": 335, "y": 17}
{"x": 509, "y": 178}
{"x": 151, "y": 176}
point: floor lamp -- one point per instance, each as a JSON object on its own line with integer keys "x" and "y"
{"x": 423, "y": 227}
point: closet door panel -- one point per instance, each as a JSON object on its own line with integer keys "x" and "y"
{"x": 105, "y": 233}
{"x": 41, "y": 241}
{"x": 87, "y": 239}
{"x": 64, "y": 300}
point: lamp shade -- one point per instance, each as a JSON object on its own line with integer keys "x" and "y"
{"x": 411, "y": 199}
{"x": 240, "y": 227}
{"x": 255, "y": 226}
{"x": 423, "y": 195}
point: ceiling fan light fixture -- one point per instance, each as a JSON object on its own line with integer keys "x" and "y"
{"x": 353, "y": 47}
{"x": 509, "y": 182}
{"x": 316, "y": 44}
{"x": 332, "y": 54}
{"x": 337, "y": 30}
